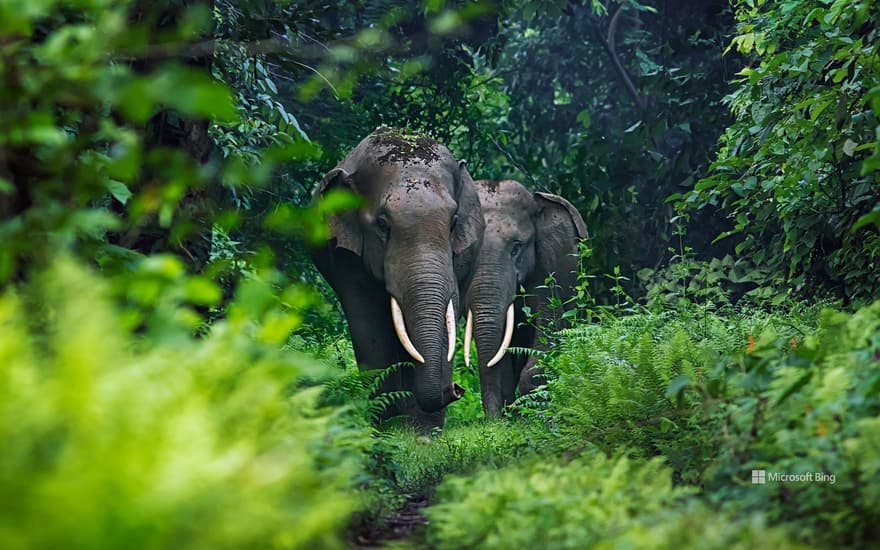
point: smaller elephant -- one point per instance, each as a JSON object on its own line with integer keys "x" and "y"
{"x": 527, "y": 237}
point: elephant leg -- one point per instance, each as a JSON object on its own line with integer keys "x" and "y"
{"x": 530, "y": 377}
{"x": 498, "y": 384}
{"x": 427, "y": 422}
{"x": 509, "y": 380}
{"x": 523, "y": 369}
{"x": 365, "y": 304}
{"x": 491, "y": 384}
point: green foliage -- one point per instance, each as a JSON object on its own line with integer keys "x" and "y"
{"x": 797, "y": 171}
{"x": 621, "y": 383}
{"x": 73, "y": 145}
{"x": 417, "y": 463}
{"x": 718, "y": 394}
{"x": 590, "y": 502}
{"x": 111, "y": 440}
{"x": 810, "y": 410}
{"x": 722, "y": 281}
{"x": 711, "y": 396}
{"x": 360, "y": 391}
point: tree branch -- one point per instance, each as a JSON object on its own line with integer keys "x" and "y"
{"x": 607, "y": 43}
{"x": 519, "y": 166}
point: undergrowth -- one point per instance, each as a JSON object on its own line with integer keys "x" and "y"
{"x": 652, "y": 426}
{"x": 646, "y": 434}
{"x": 114, "y": 440}
{"x": 590, "y": 502}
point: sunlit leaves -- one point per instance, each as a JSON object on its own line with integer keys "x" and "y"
{"x": 146, "y": 443}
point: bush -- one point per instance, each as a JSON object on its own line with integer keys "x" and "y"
{"x": 418, "y": 463}
{"x": 811, "y": 410}
{"x": 113, "y": 441}
{"x": 620, "y": 383}
{"x": 718, "y": 395}
{"x": 592, "y": 501}
{"x": 798, "y": 170}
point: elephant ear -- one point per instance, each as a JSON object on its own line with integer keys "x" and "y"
{"x": 467, "y": 236}
{"x": 559, "y": 227}
{"x": 344, "y": 227}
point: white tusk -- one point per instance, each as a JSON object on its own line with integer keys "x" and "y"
{"x": 468, "y": 333}
{"x": 400, "y": 329}
{"x": 508, "y": 334}
{"x": 450, "y": 331}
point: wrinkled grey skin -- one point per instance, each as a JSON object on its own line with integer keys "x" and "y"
{"x": 527, "y": 237}
{"x": 416, "y": 237}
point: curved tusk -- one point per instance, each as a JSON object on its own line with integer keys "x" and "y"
{"x": 508, "y": 334}
{"x": 400, "y": 329}
{"x": 450, "y": 331}
{"x": 468, "y": 334}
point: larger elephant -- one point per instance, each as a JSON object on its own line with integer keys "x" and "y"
{"x": 397, "y": 262}
{"x": 527, "y": 237}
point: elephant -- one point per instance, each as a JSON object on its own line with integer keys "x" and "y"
{"x": 398, "y": 262}
{"x": 527, "y": 237}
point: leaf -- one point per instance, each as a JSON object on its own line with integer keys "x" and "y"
{"x": 584, "y": 118}
{"x": 119, "y": 190}
{"x": 633, "y": 127}
{"x": 677, "y": 385}
{"x": 849, "y": 146}
{"x": 202, "y": 291}
{"x": 798, "y": 384}
{"x": 95, "y": 222}
{"x": 189, "y": 91}
{"x": 869, "y": 218}
{"x": 336, "y": 200}
{"x": 817, "y": 108}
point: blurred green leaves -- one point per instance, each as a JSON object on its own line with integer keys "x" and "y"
{"x": 184, "y": 89}
{"x": 74, "y": 141}
{"x": 111, "y": 443}
{"x": 590, "y": 502}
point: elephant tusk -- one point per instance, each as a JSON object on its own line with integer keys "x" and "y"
{"x": 450, "y": 331}
{"x": 508, "y": 334}
{"x": 468, "y": 334}
{"x": 400, "y": 329}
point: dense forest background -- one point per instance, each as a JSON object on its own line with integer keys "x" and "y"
{"x": 173, "y": 370}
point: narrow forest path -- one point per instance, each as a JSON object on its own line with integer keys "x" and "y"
{"x": 406, "y": 524}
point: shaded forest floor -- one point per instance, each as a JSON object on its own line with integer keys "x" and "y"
{"x": 407, "y": 524}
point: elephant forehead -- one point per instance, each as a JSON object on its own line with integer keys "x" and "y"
{"x": 507, "y": 206}
{"x": 504, "y": 194}
{"x": 507, "y": 223}
{"x": 419, "y": 193}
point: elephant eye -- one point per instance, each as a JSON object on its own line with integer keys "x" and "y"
{"x": 383, "y": 224}
{"x": 515, "y": 249}
{"x": 453, "y": 223}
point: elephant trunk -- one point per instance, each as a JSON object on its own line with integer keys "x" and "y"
{"x": 428, "y": 322}
{"x": 491, "y": 315}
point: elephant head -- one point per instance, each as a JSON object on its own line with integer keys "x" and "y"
{"x": 527, "y": 237}
{"x": 398, "y": 261}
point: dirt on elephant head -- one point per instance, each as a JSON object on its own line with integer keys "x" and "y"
{"x": 404, "y": 146}
{"x": 490, "y": 185}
